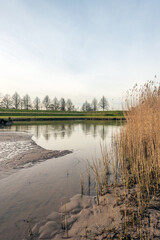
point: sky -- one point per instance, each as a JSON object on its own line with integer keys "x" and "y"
{"x": 78, "y": 49}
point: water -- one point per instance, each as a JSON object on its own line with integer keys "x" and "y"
{"x": 36, "y": 191}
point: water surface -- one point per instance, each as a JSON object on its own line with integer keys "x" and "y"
{"x": 36, "y": 191}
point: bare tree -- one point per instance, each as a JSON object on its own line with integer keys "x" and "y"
{"x": 21, "y": 103}
{"x": 69, "y": 105}
{"x": 94, "y": 104}
{"x": 83, "y": 107}
{"x": 1, "y": 97}
{"x": 104, "y": 104}
{"x": 62, "y": 104}
{"x": 7, "y": 101}
{"x": 27, "y": 102}
{"x": 86, "y": 107}
{"x": 16, "y": 100}
{"x": 36, "y": 103}
{"x": 46, "y": 102}
{"x": 55, "y": 104}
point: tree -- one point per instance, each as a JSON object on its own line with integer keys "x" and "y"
{"x": 27, "y": 102}
{"x": 6, "y": 101}
{"x": 86, "y": 107}
{"x": 104, "y": 103}
{"x": 69, "y": 105}
{"x": 94, "y": 104}
{"x": 1, "y": 97}
{"x": 21, "y": 103}
{"x": 83, "y": 107}
{"x": 46, "y": 102}
{"x": 16, "y": 100}
{"x": 36, "y": 103}
{"x": 55, "y": 104}
{"x": 62, "y": 104}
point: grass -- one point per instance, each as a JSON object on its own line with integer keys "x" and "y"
{"x": 57, "y": 114}
{"x": 94, "y": 122}
{"x": 42, "y": 115}
{"x": 50, "y": 112}
{"x": 60, "y": 117}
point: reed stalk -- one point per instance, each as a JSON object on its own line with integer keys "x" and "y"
{"x": 82, "y": 185}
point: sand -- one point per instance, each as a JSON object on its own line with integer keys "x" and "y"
{"x": 18, "y": 150}
{"x": 83, "y": 218}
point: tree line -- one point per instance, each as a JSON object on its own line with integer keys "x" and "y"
{"x": 25, "y": 102}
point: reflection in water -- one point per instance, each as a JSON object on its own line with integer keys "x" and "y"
{"x": 103, "y": 132}
{"x": 96, "y": 130}
{"x": 63, "y": 130}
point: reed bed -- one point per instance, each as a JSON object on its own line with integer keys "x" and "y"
{"x": 137, "y": 147}
{"x": 134, "y": 162}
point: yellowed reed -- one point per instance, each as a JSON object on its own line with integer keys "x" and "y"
{"x": 135, "y": 156}
{"x": 137, "y": 147}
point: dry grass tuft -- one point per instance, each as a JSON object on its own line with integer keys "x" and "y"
{"x": 138, "y": 145}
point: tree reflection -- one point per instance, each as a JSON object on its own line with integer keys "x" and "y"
{"x": 61, "y": 129}
{"x": 57, "y": 130}
{"x": 103, "y": 132}
{"x": 95, "y": 129}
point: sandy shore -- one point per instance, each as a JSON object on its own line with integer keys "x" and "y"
{"x": 18, "y": 150}
{"x": 83, "y": 218}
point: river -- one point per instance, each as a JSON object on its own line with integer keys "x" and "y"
{"x": 33, "y": 192}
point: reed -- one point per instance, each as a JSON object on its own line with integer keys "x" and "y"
{"x": 138, "y": 145}
{"x": 64, "y": 217}
{"x": 82, "y": 184}
{"x": 29, "y": 227}
{"x": 137, "y": 148}
{"x": 89, "y": 179}
{"x": 85, "y": 229}
{"x": 134, "y": 155}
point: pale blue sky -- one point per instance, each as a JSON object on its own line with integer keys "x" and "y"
{"x": 78, "y": 49}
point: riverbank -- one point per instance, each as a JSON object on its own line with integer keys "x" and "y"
{"x": 111, "y": 217}
{"x": 40, "y": 119}
{"x": 46, "y": 115}
{"x": 18, "y": 150}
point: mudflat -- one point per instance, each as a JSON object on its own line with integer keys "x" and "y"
{"x": 18, "y": 150}
{"x": 85, "y": 218}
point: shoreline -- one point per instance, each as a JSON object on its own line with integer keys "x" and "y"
{"x": 67, "y": 118}
{"x": 83, "y": 218}
{"x": 18, "y": 150}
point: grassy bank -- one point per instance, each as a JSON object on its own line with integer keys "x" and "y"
{"x": 97, "y": 122}
{"x": 42, "y": 115}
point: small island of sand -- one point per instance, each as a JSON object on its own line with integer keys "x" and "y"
{"x": 17, "y": 150}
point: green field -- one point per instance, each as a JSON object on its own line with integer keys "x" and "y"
{"x": 40, "y": 115}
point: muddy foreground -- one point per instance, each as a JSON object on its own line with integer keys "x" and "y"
{"x": 112, "y": 218}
